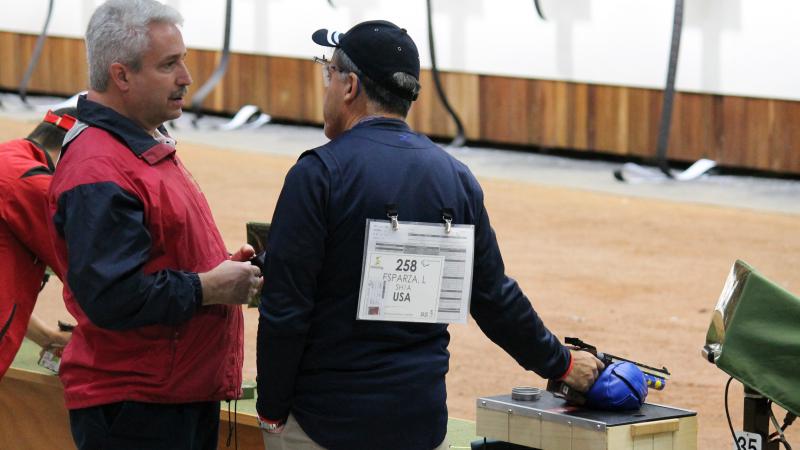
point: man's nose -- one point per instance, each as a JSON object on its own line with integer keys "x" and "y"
{"x": 184, "y": 77}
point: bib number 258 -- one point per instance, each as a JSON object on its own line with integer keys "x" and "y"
{"x": 406, "y": 265}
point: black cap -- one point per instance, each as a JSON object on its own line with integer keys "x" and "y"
{"x": 379, "y": 49}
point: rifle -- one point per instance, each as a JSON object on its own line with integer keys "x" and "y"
{"x": 655, "y": 378}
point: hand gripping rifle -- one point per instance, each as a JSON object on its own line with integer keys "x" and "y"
{"x": 655, "y": 378}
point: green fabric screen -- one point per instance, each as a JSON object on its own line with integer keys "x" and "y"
{"x": 755, "y": 335}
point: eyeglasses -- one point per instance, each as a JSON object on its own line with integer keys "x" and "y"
{"x": 327, "y": 66}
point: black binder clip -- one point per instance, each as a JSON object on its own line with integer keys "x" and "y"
{"x": 391, "y": 213}
{"x": 447, "y": 216}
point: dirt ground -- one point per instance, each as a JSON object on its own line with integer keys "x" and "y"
{"x": 636, "y": 277}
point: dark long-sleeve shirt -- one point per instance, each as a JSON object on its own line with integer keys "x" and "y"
{"x": 355, "y": 384}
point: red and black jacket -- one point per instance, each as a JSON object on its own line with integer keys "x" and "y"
{"x": 132, "y": 231}
{"x": 25, "y": 249}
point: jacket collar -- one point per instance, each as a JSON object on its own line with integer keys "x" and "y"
{"x": 135, "y": 138}
{"x": 383, "y": 122}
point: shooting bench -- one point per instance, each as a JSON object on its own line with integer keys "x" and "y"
{"x": 548, "y": 423}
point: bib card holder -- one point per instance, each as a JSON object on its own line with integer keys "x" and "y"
{"x": 416, "y": 272}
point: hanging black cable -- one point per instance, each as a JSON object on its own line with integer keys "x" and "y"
{"x": 219, "y": 72}
{"x": 539, "y": 9}
{"x": 728, "y": 414}
{"x": 37, "y": 53}
{"x": 459, "y": 140}
{"x": 669, "y": 91}
{"x": 330, "y": 2}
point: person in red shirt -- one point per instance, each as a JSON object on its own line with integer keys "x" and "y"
{"x": 26, "y": 168}
{"x": 157, "y": 297}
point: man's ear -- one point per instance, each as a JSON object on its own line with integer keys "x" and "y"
{"x": 119, "y": 76}
{"x": 353, "y": 89}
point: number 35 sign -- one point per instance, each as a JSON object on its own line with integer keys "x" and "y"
{"x": 747, "y": 441}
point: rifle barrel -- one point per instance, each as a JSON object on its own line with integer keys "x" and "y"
{"x": 661, "y": 373}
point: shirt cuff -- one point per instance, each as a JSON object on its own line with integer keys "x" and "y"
{"x": 569, "y": 369}
{"x": 198, "y": 289}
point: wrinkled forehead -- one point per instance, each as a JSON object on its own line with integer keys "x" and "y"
{"x": 165, "y": 41}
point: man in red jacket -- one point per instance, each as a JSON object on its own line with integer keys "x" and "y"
{"x": 26, "y": 168}
{"x": 148, "y": 277}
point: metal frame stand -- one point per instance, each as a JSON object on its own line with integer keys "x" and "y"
{"x": 756, "y": 417}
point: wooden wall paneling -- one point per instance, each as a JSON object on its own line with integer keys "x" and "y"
{"x": 537, "y": 111}
{"x": 784, "y": 136}
{"x": 420, "y": 113}
{"x": 644, "y": 107}
{"x": 578, "y": 116}
{"x": 313, "y": 90}
{"x": 563, "y": 112}
{"x": 715, "y": 147}
{"x": 695, "y": 132}
{"x": 287, "y": 88}
{"x": 319, "y": 91}
{"x": 21, "y": 59}
{"x": 592, "y": 113}
{"x": 302, "y": 97}
{"x": 554, "y": 114}
{"x": 464, "y": 90}
{"x": 61, "y": 69}
{"x": 252, "y": 85}
{"x": 6, "y": 57}
{"x": 504, "y": 110}
{"x": 214, "y": 101}
{"x": 231, "y": 88}
{"x": 463, "y": 93}
{"x": 547, "y": 119}
{"x": 792, "y": 138}
{"x": 746, "y": 125}
{"x": 740, "y": 132}
{"x": 73, "y": 75}
{"x": 50, "y": 62}
{"x": 765, "y": 126}
{"x": 428, "y": 114}
{"x": 9, "y": 56}
{"x": 246, "y": 83}
{"x": 201, "y": 65}
{"x": 58, "y": 71}
{"x": 26, "y": 44}
{"x": 216, "y": 97}
{"x": 608, "y": 119}
{"x": 733, "y": 148}
{"x": 621, "y": 145}
{"x": 760, "y": 116}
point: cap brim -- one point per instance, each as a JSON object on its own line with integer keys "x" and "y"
{"x": 328, "y": 38}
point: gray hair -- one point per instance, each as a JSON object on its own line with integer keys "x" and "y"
{"x": 378, "y": 94}
{"x": 117, "y": 32}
